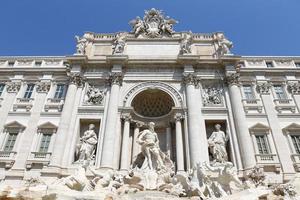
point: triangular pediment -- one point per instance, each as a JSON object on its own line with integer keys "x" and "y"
{"x": 14, "y": 124}
{"x": 259, "y": 126}
{"x": 47, "y": 125}
{"x": 293, "y": 126}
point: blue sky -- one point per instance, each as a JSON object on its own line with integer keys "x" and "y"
{"x": 47, "y": 27}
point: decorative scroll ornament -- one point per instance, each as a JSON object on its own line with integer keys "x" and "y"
{"x": 119, "y": 43}
{"x": 13, "y": 87}
{"x": 115, "y": 78}
{"x": 154, "y": 24}
{"x": 185, "y": 45}
{"x": 233, "y": 78}
{"x": 263, "y": 87}
{"x": 43, "y": 87}
{"x": 212, "y": 96}
{"x": 294, "y": 87}
{"x": 76, "y": 78}
{"x": 95, "y": 95}
{"x": 224, "y": 45}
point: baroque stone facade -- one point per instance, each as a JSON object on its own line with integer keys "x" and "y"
{"x": 151, "y": 112}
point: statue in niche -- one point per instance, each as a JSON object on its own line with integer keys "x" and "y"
{"x": 86, "y": 147}
{"x": 217, "y": 145}
{"x": 151, "y": 157}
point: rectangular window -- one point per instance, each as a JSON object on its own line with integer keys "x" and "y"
{"x": 269, "y": 64}
{"x": 10, "y": 142}
{"x": 280, "y": 94}
{"x": 296, "y": 143}
{"x": 29, "y": 91}
{"x": 60, "y": 91}
{"x": 248, "y": 92}
{"x": 297, "y": 64}
{"x": 2, "y": 86}
{"x": 262, "y": 144}
{"x": 45, "y": 141}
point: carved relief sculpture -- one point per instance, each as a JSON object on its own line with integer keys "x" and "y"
{"x": 95, "y": 95}
{"x": 217, "y": 145}
{"x": 43, "y": 87}
{"x": 13, "y": 87}
{"x": 212, "y": 96}
{"x": 85, "y": 149}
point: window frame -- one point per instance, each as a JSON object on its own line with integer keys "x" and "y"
{"x": 283, "y": 95}
{"x": 253, "y": 96}
{"x": 28, "y": 93}
{"x": 63, "y": 93}
{"x": 2, "y": 88}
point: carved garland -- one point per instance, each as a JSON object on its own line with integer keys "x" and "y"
{"x": 153, "y": 84}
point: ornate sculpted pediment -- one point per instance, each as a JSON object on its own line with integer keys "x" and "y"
{"x": 153, "y": 25}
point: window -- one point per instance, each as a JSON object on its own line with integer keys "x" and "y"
{"x": 269, "y": 64}
{"x": 248, "y": 92}
{"x": 60, "y": 91}
{"x": 28, "y": 91}
{"x": 11, "y": 63}
{"x": 10, "y": 142}
{"x": 1, "y": 88}
{"x": 262, "y": 144}
{"x": 297, "y": 64}
{"x": 279, "y": 92}
{"x": 45, "y": 141}
{"x": 38, "y": 63}
{"x": 296, "y": 143}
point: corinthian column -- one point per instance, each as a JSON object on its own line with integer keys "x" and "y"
{"x": 196, "y": 126}
{"x": 12, "y": 88}
{"x": 125, "y": 143}
{"x": 179, "y": 142}
{"x": 65, "y": 119}
{"x": 111, "y": 121}
{"x": 245, "y": 143}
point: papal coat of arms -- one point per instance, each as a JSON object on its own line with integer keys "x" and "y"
{"x": 154, "y": 24}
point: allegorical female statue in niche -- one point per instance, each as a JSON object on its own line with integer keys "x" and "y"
{"x": 85, "y": 149}
{"x": 151, "y": 157}
{"x": 217, "y": 145}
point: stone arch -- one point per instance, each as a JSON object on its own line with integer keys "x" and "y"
{"x": 174, "y": 94}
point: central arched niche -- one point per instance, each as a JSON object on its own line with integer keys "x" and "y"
{"x": 152, "y": 103}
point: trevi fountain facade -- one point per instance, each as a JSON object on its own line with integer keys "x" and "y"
{"x": 150, "y": 114}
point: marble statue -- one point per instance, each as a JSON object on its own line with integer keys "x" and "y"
{"x": 138, "y": 26}
{"x": 256, "y": 176}
{"x": 81, "y": 45}
{"x": 87, "y": 144}
{"x": 217, "y": 145}
{"x": 185, "y": 45}
{"x": 119, "y": 43}
{"x": 95, "y": 95}
{"x": 224, "y": 45}
{"x": 153, "y": 157}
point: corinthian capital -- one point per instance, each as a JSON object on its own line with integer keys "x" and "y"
{"x": 191, "y": 79}
{"x": 263, "y": 87}
{"x": 116, "y": 78}
{"x": 43, "y": 87}
{"x": 178, "y": 117}
{"x": 13, "y": 87}
{"x": 126, "y": 117}
{"x": 294, "y": 87}
{"x": 76, "y": 78}
{"x": 233, "y": 78}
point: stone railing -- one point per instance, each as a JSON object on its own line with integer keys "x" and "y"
{"x": 296, "y": 160}
{"x": 54, "y": 105}
{"x": 31, "y": 61}
{"x": 284, "y": 105}
{"x": 24, "y": 104}
{"x": 252, "y": 105}
{"x": 42, "y": 158}
{"x": 261, "y": 62}
{"x": 8, "y": 158}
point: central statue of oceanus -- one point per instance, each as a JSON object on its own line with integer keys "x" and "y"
{"x": 151, "y": 157}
